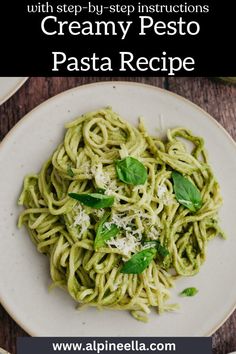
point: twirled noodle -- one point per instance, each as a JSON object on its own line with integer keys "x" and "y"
{"x": 64, "y": 229}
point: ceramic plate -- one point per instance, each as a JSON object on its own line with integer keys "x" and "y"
{"x": 24, "y": 273}
{"x": 9, "y": 85}
{"x": 2, "y": 351}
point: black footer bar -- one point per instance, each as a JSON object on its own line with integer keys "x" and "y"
{"x": 114, "y": 345}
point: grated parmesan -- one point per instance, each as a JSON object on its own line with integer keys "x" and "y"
{"x": 161, "y": 190}
{"x": 126, "y": 244}
{"x": 132, "y": 240}
{"x": 81, "y": 219}
{"x": 112, "y": 189}
{"x": 86, "y": 169}
{"x": 153, "y": 234}
{"x": 99, "y": 213}
{"x": 163, "y": 194}
{"x": 101, "y": 179}
{"x": 121, "y": 221}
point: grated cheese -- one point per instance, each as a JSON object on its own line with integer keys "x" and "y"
{"x": 163, "y": 195}
{"x": 132, "y": 240}
{"x": 81, "y": 219}
{"x": 101, "y": 179}
{"x": 153, "y": 234}
{"x": 121, "y": 221}
{"x": 86, "y": 169}
{"x": 123, "y": 151}
{"x": 161, "y": 191}
{"x": 99, "y": 212}
{"x": 126, "y": 244}
{"x": 112, "y": 189}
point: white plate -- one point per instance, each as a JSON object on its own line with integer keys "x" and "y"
{"x": 9, "y": 85}
{"x": 2, "y": 351}
{"x": 24, "y": 274}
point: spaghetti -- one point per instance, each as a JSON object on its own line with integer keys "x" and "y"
{"x": 65, "y": 229}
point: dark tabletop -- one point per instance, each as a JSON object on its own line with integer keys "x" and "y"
{"x": 215, "y": 97}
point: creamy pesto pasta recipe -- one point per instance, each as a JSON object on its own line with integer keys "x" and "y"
{"x": 121, "y": 214}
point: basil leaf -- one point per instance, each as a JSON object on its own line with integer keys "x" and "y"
{"x": 161, "y": 250}
{"x": 131, "y": 171}
{"x": 139, "y": 261}
{"x": 94, "y": 200}
{"x": 186, "y": 192}
{"x": 70, "y": 172}
{"x": 189, "y": 292}
{"x": 103, "y": 233}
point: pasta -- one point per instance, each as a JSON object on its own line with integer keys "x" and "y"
{"x": 124, "y": 256}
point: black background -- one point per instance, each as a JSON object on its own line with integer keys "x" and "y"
{"x": 184, "y": 345}
{"x": 26, "y": 51}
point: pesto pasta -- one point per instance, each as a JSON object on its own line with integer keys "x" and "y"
{"x": 120, "y": 213}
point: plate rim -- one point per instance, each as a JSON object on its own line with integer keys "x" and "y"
{"x": 104, "y": 83}
{"x": 14, "y": 90}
